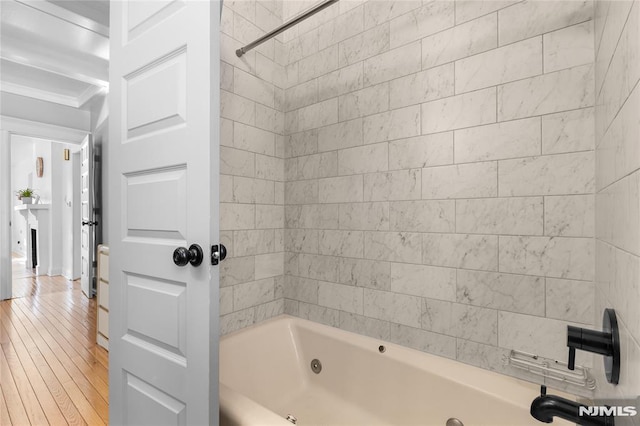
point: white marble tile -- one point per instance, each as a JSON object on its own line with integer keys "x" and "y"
{"x": 269, "y": 265}
{"x": 226, "y": 189}
{"x": 346, "y": 189}
{"x": 467, "y": 10}
{"x": 558, "y": 257}
{"x": 548, "y": 93}
{"x": 341, "y": 243}
{"x": 236, "y": 216}
{"x": 569, "y": 131}
{"x": 252, "y": 191}
{"x": 511, "y": 216}
{"x": 228, "y": 47}
{"x": 392, "y": 64}
{"x": 269, "y": 119}
{"x": 226, "y": 132}
{"x": 422, "y": 216}
{"x": 436, "y": 316}
{"x": 315, "y": 166}
{"x": 324, "y": 268}
{"x": 461, "y": 251}
{"x": 540, "y": 336}
{"x": 396, "y": 124}
{"x": 301, "y": 95}
{"x": 379, "y": 11}
{"x": 303, "y": 143}
{"x": 511, "y": 139}
{"x": 432, "y": 17}
{"x": 618, "y": 214}
{"x": 301, "y": 192}
{"x": 366, "y": 326}
{"x": 318, "y": 64}
{"x": 393, "y": 246}
{"x": 397, "y": 308}
{"x": 236, "y": 321}
{"x": 319, "y": 314}
{"x": 424, "y": 281}
{"x": 301, "y": 240}
{"x": 269, "y": 216}
{"x": 364, "y": 45}
{"x": 304, "y": 45}
{"x": 237, "y": 108}
{"x": 252, "y": 139}
{"x": 269, "y": 310}
{"x": 428, "y": 85}
{"x": 365, "y": 216}
{"x": 341, "y": 135}
{"x": 363, "y": 159}
{"x": 505, "y": 292}
{"x": 236, "y": 270}
{"x": 252, "y": 242}
{"x": 421, "y": 151}
{"x": 226, "y": 77}
{"x": 254, "y": 293}
{"x": 365, "y": 273}
{"x": 570, "y": 300}
{"x": 560, "y": 174}
{"x": 370, "y": 100}
{"x": 248, "y": 86}
{"x": 457, "y": 112}
{"x": 226, "y": 300}
{"x": 318, "y": 115}
{"x": 474, "y": 323}
{"x": 342, "y": 297}
{"x": 569, "y": 47}
{"x": 460, "y": 181}
{"x": 569, "y": 215}
{"x": 313, "y": 216}
{"x": 395, "y": 185}
{"x": 342, "y": 27}
{"x": 236, "y": 162}
{"x": 460, "y": 41}
{"x": 344, "y": 80}
{"x": 301, "y": 289}
{"x": 531, "y": 18}
{"x": 424, "y": 340}
{"x": 270, "y": 168}
{"x": 509, "y": 63}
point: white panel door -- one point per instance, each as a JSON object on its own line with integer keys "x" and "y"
{"x": 87, "y": 216}
{"x": 164, "y": 130}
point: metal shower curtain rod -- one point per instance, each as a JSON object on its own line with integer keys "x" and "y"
{"x": 293, "y": 21}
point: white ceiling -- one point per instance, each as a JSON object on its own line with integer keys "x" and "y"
{"x": 57, "y": 51}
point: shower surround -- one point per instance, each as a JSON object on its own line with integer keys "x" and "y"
{"x": 431, "y": 173}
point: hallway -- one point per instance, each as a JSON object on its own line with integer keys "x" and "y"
{"x": 52, "y": 370}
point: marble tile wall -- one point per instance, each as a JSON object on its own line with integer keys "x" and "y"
{"x": 440, "y": 173}
{"x": 617, "y": 281}
{"x": 252, "y": 166}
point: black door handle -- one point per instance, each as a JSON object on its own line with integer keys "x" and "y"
{"x": 218, "y": 254}
{"x": 193, "y": 255}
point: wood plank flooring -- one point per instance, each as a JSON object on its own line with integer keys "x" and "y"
{"x": 51, "y": 370}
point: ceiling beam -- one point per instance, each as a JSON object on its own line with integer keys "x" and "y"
{"x": 67, "y": 15}
{"x": 43, "y": 95}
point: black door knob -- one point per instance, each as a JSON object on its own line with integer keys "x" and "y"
{"x": 193, "y": 255}
{"x": 218, "y": 254}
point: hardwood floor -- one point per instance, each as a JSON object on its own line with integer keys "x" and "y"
{"x": 52, "y": 370}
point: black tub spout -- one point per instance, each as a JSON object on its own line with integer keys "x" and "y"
{"x": 545, "y": 407}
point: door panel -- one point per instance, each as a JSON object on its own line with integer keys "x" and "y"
{"x": 86, "y": 231}
{"x": 164, "y": 107}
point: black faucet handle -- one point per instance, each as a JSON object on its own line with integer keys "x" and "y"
{"x": 543, "y": 390}
{"x": 571, "y": 365}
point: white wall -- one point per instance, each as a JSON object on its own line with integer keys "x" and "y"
{"x": 53, "y": 187}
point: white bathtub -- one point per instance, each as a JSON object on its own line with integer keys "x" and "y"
{"x": 265, "y": 375}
